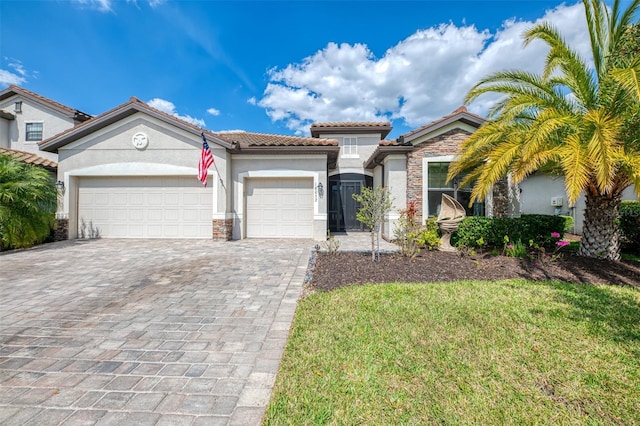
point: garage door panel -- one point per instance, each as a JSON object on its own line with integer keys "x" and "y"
{"x": 279, "y": 208}
{"x": 146, "y": 207}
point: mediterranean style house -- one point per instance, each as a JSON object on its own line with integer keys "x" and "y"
{"x": 131, "y": 172}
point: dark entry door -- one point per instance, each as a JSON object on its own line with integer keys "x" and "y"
{"x": 343, "y": 208}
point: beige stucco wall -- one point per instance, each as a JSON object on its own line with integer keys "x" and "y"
{"x": 537, "y": 191}
{"x": 4, "y": 132}
{"x": 256, "y": 166}
{"x": 367, "y": 143}
{"x": 53, "y": 123}
{"x": 110, "y": 152}
{"x": 395, "y": 171}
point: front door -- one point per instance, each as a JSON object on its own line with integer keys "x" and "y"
{"x": 343, "y": 208}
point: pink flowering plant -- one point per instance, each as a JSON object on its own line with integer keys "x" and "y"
{"x": 534, "y": 251}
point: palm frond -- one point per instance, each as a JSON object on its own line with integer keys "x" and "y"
{"x": 575, "y": 164}
{"x": 629, "y": 78}
{"x": 603, "y": 146}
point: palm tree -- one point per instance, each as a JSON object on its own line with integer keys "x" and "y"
{"x": 28, "y": 201}
{"x": 570, "y": 120}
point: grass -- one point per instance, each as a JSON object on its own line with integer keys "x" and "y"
{"x": 512, "y": 352}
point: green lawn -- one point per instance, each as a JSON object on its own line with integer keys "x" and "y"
{"x": 514, "y": 352}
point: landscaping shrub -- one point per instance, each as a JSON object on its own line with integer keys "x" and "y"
{"x": 630, "y": 226}
{"x": 473, "y": 229}
{"x": 477, "y": 231}
{"x": 569, "y": 223}
{"x": 429, "y": 237}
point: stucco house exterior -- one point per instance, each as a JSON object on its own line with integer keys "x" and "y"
{"x": 27, "y": 118}
{"x": 131, "y": 173}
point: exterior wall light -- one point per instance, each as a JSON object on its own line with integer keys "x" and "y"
{"x": 320, "y": 190}
{"x": 60, "y": 186}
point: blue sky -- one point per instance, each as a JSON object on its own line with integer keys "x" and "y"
{"x": 272, "y": 66}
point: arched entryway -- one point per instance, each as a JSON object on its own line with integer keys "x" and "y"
{"x": 342, "y": 206}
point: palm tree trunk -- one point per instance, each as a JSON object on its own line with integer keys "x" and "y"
{"x": 600, "y": 237}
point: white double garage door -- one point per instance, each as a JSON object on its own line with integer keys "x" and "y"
{"x": 179, "y": 207}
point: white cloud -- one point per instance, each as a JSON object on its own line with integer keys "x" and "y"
{"x": 421, "y": 78}
{"x": 213, "y": 111}
{"x": 8, "y": 77}
{"x": 170, "y": 108}
{"x": 15, "y": 74}
{"x": 107, "y": 5}
{"x": 101, "y": 5}
{"x": 231, "y": 131}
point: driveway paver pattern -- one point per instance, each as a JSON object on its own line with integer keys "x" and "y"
{"x": 145, "y": 332}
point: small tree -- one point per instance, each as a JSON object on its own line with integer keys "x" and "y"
{"x": 375, "y": 203}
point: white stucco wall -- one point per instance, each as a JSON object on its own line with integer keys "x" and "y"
{"x": 110, "y": 152}
{"x": 272, "y": 166}
{"x": 52, "y": 123}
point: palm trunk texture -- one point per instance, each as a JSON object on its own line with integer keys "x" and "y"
{"x": 600, "y": 236}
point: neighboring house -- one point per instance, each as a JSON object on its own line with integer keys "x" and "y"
{"x": 27, "y": 118}
{"x": 131, "y": 173}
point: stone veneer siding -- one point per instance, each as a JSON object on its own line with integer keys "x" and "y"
{"x": 61, "y": 232}
{"x": 501, "y": 198}
{"x": 222, "y": 229}
{"x": 444, "y": 144}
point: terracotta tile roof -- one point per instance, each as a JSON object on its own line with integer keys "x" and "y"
{"x": 352, "y": 124}
{"x": 249, "y": 139}
{"x": 461, "y": 111}
{"x": 30, "y": 158}
{"x": 388, "y": 142}
{"x": 384, "y": 127}
{"x": 13, "y": 89}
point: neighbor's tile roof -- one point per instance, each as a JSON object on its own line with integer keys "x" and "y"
{"x": 13, "y": 89}
{"x": 30, "y": 158}
{"x": 460, "y": 111}
{"x": 250, "y": 139}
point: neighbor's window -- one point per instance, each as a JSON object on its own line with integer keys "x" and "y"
{"x": 34, "y": 132}
{"x": 437, "y": 181}
{"x": 350, "y": 146}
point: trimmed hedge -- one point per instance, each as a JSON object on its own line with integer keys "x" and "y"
{"x": 629, "y": 222}
{"x": 478, "y": 231}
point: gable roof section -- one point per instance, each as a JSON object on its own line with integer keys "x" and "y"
{"x": 30, "y": 158}
{"x": 386, "y": 147}
{"x": 14, "y": 90}
{"x": 384, "y": 127}
{"x": 461, "y": 114}
{"x": 133, "y": 106}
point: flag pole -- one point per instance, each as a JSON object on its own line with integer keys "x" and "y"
{"x": 216, "y": 167}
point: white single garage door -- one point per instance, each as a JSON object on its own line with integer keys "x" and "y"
{"x": 145, "y": 207}
{"x": 279, "y": 207}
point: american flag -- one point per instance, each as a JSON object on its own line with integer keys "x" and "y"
{"x": 206, "y": 160}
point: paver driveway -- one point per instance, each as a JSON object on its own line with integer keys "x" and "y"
{"x": 145, "y": 332}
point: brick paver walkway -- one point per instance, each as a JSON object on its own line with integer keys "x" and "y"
{"x": 145, "y": 332}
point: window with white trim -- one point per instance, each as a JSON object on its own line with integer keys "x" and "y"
{"x": 350, "y": 146}
{"x": 33, "y": 131}
{"x": 437, "y": 185}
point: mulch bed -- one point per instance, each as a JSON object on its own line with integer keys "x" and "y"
{"x": 342, "y": 269}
